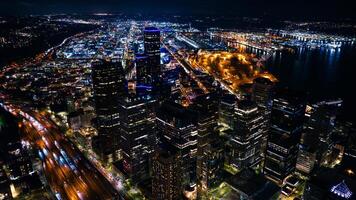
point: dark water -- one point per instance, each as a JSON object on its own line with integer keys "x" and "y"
{"x": 323, "y": 73}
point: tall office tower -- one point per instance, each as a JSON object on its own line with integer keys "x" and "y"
{"x": 262, "y": 93}
{"x": 108, "y": 84}
{"x": 226, "y": 110}
{"x": 315, "y": 140}
{"x": 306, "y": 159}
{"x": 141, "y": 63}
{"x": 262, "y": 90}
{"x": 167, "y": 173}
{"x": 210, "y": 165}
{"x": 247, "y": 135}
{"x": 287, "y": 118}
{"x": 137, "y": 123}
{"x": 152, "y": 44}
{"x": 177, "y": 126}
{"x": 128, "y": 63}
{"x": 210, "y": 152}
{"x": 322, "y": 122}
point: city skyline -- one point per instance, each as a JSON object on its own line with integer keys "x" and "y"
{"x": 183, "y": 101}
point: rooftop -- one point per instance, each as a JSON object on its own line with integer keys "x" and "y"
{"x": 252, "y": 184}
{"x": 151, "y": 29}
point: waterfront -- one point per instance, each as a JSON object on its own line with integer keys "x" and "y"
{"x": 100, "y": 117}
{"x": 324, "y": 73}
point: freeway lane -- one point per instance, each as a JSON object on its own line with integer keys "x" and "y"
{"x": 68, "y": 173}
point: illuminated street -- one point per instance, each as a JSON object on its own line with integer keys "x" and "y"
{"x": 175, "y": 100}
{"x": 69, "y": 174}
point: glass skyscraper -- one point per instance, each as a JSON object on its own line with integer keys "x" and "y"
{"x": 138, "y": 138}
{"x": 108, "y": 85}
{"x": 287, "y": 118}
{"x": 152, "y": 41}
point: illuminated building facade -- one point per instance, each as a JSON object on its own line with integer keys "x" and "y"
{"x": 247, "y": 135}
{"x": 137, "y": 123}
{"x": 226, "y": 110}
{"x": 141, "y": 61}
{"x": 210, "y": 164}
{"x": 315, "y": 140}
{"x": 287, "y": 118}
{"x": 210, "y": 150}
{"x": 152, "y": 43}
{"x": 262, "y": 90}
{"x": 167, "y": 174}
{"x": 177, "y": 126}
{"x": 262, "y": 94}
{"x": 108, "y": 85}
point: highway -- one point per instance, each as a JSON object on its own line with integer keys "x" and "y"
{"x": 70, "y": 175}
{"x": 187, "y": 68}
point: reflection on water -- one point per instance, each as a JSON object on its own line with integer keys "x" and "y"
{"x": 322, "y": 72}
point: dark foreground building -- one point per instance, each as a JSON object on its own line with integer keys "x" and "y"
{"x": 177, "y": 127}
{"x": 247, "y": 136}
{"x": 108, "y": 84}
{"x": 167, "y": 173}
{"x": 287, "y": 118}
{"x": 249, "y": 185}
{"x": 332, "y": 184}
{"x": 152, "y": 46}
{"x": 138, "y": 136}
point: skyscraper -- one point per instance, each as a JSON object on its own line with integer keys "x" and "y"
{"x": 262, "y": 94}
{"x": 152, "y": 41}
{"x": 226, "y": 110}
{"x": 137, "y": 122}
{"x": 177, "y": 126}
{"x": 210, "y": 150}
{"x": 247, "y": 135}
{"x": 315, "y": 140}
{"x": 167, "y": 173}
{"x": 287, "y": 118}
{"x": 141, "y": 61}
{"x": 108, "y": 84}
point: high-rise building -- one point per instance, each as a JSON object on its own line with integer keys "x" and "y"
{"x": 247, "y": 135}
{"x": 152, "y": 43}
{"x": 226, "y": 110}
{"x": 128, "y": 63}
{"x": 177, "y": 127}
{"x": 108, "y": 84}
{"x": 287, "y": 118}
{"x": 315, "y": 140}
{"x": 138, "y": 138}
{"x": 210, "y": 150}
{"x": 142, "y": 72}
{"x": 306, "y": 160}
{"x": 210, "y": 164}
{"x": 167, "y": 173}
{"x": 262, "y": 94}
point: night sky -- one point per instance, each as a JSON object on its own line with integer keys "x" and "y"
{"x": 308, "y": 9}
